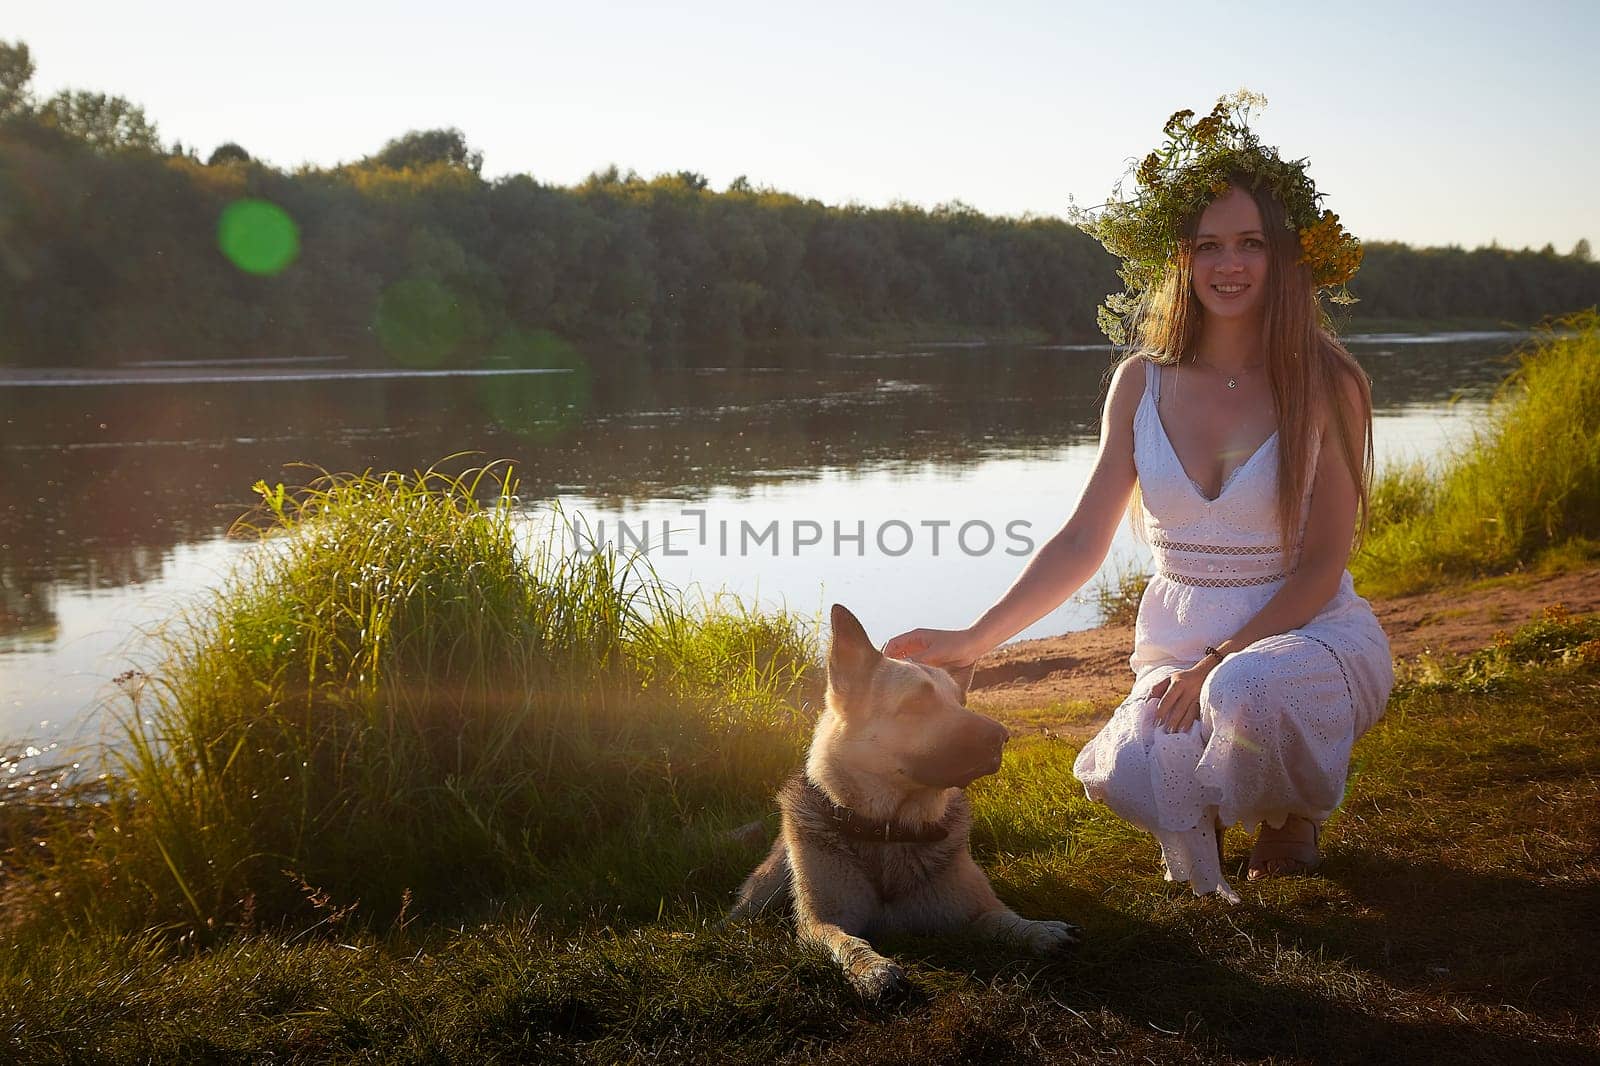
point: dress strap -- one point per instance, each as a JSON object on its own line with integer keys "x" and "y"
{"x": 1152, "y": 379}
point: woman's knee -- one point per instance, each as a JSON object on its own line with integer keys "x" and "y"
{"x": 1237, "y": 694}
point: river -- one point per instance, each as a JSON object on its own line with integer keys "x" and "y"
{"x": 909, "y": 483}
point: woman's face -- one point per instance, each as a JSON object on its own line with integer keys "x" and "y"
{"x": 1230, "y": 256}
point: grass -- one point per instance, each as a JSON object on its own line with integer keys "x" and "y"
{"x": 400, "y": 704}
{"x": 1524, "y": 491}
{"x": 1116, "y": 593}
{"x": 1452, "y": 922}
{"x": 1556, "y": 639}
{"x": 1049, "y": 718}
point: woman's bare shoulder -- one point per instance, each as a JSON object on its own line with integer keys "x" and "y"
{"x": 1128, "y": 382}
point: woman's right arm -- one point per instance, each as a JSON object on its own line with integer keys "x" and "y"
{"x": 1068, "y": 559}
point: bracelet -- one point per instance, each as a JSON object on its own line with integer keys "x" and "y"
{"x": 1211, "y": 650}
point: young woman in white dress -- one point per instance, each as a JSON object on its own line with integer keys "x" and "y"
{"x": 1244, "y": 429}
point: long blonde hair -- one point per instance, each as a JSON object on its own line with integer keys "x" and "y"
{"x": 1306, "y": 365}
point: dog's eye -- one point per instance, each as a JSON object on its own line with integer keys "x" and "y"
{"x": 923, "y": 701}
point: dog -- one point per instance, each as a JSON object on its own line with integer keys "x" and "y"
{"x": 875, "y": 828}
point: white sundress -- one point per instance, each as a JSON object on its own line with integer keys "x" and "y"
{"x": 1277, "y": 718}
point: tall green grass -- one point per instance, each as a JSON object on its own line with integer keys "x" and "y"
{"x": 1525, "y": 485}
{"x": 401, "y": 701}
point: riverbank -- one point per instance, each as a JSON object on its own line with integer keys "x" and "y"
{"x": 1065, "y": 685}
{"x": 202, "y": 372}
{"x": 1450, "y": 922}
{"x": 1357, "y": 326}
{"x": 889, "y": 334}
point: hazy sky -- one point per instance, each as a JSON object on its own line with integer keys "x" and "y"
{"x": 1437, "y": 123}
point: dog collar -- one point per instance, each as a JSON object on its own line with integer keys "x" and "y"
{"x": 877, "y": 831}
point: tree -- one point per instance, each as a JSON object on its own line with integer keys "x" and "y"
{"x": 16, "y": 71}
{"x": 420, "y": 148}
{"x": 608, "y": 178}
{"x": 227, "y": 152}
{"x": 106, "y": 124}
{"x": 1580, "y": 251}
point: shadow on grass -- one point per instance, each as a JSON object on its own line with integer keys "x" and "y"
{"x": 1438, "y": 929}
{"x": 1219, "y": 984}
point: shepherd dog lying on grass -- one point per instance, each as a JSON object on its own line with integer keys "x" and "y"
{"x": 875, "y": 829}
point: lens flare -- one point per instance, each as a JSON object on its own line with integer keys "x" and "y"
{"x": 419, "y": 322}
{"x": 539, "y": 406}
{"x": 258, "y": 237}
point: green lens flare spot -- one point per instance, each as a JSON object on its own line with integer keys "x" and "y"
{"x": 258, "y": 237}
{"x": 419, "y": 322}
{"x": 537, "y": 406}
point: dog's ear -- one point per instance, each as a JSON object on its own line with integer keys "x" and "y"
{"x": 851, "y": 654}
{"x": 962, "y": 676}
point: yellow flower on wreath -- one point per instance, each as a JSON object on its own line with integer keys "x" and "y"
{"x": 1333, "y": 254}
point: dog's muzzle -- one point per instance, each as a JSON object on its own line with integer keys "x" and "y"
{"x": 964, "y": 754}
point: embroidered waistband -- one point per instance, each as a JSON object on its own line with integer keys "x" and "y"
{"x": 1215, "y": 549}
{"x": 1257, "y": 564}
{"x": 1221, "y": 582}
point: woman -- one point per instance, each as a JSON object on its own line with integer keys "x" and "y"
{"x": 1244, "y": 429}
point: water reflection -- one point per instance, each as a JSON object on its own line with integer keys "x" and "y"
{"x": 103, "y": 487}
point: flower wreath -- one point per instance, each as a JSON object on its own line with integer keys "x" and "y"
{"x": 1188, "y": 171}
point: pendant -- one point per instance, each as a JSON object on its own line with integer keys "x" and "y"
{"x": 1232, "y": 383}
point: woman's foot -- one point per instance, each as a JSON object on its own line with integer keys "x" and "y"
{"x": 1287, "y": 852}
{"x": 1216, "y": 827}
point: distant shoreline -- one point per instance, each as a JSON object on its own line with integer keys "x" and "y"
{"x": 58, "y": 377}
{"x": 304, "y": 368}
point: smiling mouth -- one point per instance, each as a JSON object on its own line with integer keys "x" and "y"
{"x": 1229, "y": 290}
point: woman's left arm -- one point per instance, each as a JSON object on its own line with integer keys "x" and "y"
{"x": 1324, "y": 553}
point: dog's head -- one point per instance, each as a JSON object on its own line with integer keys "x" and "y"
{"x": 903, "y": 720}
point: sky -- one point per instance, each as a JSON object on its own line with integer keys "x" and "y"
{"x": 1430, "y": 123}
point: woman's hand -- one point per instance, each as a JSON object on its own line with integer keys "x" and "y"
{"x": 1180, "y": 695}
{"x": 935, "y": 647}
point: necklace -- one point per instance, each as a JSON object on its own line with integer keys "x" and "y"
{"x": 1232, "y": 379}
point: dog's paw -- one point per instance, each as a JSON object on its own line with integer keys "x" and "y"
{"x": 881, "y": 982}
{"x": 1048, "y": 938}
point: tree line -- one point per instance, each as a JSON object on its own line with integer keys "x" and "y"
{"x": 109, "y": 252}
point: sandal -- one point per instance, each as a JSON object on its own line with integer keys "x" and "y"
{"x": 1285, "y": 856}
